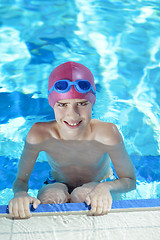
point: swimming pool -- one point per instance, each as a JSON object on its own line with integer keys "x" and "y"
{"x": 118, "y": 40}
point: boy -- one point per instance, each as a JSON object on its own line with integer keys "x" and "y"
{"x": 79, "y": 149}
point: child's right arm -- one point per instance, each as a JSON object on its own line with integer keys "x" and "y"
{"x": 19, "y": 205}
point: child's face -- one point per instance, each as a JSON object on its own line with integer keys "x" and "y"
{"x": 73, "y": 115}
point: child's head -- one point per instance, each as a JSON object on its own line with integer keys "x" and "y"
{"x": 67, "y": 82}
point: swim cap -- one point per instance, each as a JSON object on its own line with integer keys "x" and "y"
{"x": 72, "y": 71}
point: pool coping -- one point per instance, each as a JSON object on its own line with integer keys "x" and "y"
{"x": 83, "y": 208}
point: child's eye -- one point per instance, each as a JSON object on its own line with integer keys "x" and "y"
{"x": 62, "y": 104}
{"x": 82, "y": 103}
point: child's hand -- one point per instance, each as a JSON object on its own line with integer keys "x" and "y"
{"x": 100, "y": 199}
{"x": 19, "y": 205}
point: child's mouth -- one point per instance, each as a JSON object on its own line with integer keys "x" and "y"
{"x": 73, "y": 125}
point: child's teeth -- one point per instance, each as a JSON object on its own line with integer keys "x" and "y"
{"x": 73, "y": 124}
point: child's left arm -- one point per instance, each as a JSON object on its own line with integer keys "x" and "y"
{"x": 101, "y": 196}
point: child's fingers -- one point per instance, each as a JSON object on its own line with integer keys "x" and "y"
{"x": 100, "y": 206}
{"x": 21, "y": 207}
{"x": 105, "y": 207}
{"x": 15, "y": 210}
{"x": 10, "y": 208}
{"x": 35, "y": 202}
{"x": 26, "y": 208}
{"x": 109, "y": 203}
{"x": 94, "y": 205}
{"x": 99, "y": 209}
{"x": 88, "y": 200}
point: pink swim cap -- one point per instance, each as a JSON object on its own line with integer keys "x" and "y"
{"x": 72, "y": 71}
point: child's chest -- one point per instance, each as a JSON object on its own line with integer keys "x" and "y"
{"x": 79, "y": 153}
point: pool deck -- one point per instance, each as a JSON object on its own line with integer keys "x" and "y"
{"x": 122, "y": 223}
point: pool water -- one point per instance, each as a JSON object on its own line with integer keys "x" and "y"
{"x": 118, "y": 40}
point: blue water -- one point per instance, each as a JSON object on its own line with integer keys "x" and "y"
{"x": 118, "y": 40}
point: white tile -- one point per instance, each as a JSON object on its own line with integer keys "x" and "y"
{"x": 140, "y": 219}
{"x": 147, "y": 233}
{"x": 33, "y": 236}
{"x": 5, "y": 236}
{"x": 117, "y": 226}
{"x": 33, "y": 224}
{"x": 155, "y": 218}
{"x": 5, "y": 225}
{"x": 74, "y": 235}
{"x": 111, "y": 220}
{"x": 127, "y": 219}
{"x": 74, "y": 222}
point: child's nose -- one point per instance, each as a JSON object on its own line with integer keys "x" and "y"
{"x": 73, "y": 111}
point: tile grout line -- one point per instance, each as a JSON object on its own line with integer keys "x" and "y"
{"x": 10, "y": 238}
{"x": 89, "y": 230}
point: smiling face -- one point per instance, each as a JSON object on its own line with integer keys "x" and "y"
{"x": 73, "y": 117}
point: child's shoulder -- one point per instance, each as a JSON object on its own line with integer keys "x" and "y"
{"x": 40, "y": 132}
{"x": 106, "y": 132}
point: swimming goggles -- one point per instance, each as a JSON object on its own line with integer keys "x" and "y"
{"x": 64, "y": 85}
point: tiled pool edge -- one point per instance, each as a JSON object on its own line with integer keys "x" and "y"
{"x": 82, "y": 208}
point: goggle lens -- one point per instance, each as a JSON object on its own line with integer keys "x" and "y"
{"x": 84, "y": 85}
{"x": 61, "y": 85}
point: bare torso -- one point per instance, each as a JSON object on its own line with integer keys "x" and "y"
{"x": 77, "y": 162}
{"x": 74, "y": 162}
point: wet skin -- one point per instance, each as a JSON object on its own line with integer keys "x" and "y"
{"x": 79, "y": 150}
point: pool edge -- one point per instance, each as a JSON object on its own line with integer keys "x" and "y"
{"x": 82, "y": 208}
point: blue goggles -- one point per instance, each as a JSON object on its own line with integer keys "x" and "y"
{"x": 64, "y": 85}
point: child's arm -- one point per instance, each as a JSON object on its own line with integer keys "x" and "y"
{"x": 19, "y": 205}
{"x": 101, "y": 196}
